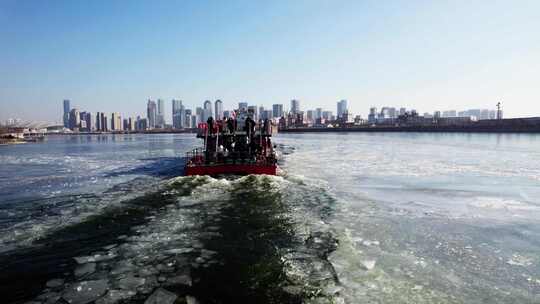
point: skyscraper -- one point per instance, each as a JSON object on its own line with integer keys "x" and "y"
{"x": 199, "y": 114}
{"x": 207, "y": 110}
{"x": 277, "y": 110}
{"x": 116, "y": 122}
{"x": 160, "y": 116}
{"x": 252, "y": 112}
{"x": 342, "y": 108}
{"x": 178, "y": 114}
{"x": 66, "y": 113}
{"x": 318, "y": 113}
{"x": 74, "y": 119}
{"x": 242, "y": 106}
{"x": 295, "y": 106}
{"x": 151, "y": 114}
{"x": 219, "y": 109}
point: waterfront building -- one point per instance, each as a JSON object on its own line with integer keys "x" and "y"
{"x": 402, "y": 111}
{"x": 116, "y": 122}
{"x": 373, "y": 116}
{"x": 207, "y": 110}
{"x": 104, "y": 122}
{"x": 98, "y": 121}
{"x": 226, "y": 114}
{"x": 242, "y": 107}
{"x": 342, "y": 107}
{"x": 86, "y": 117}
{"x": 437, "y": 114}
{"x": 151, "y": 113}
{"x": 218, "y": 105}
{"x": 141, "y": 124}
{"x": 310, "y": 115}
{"x": 131, "y": 124}
{"x": 74, "y": 119}
{"x": 295, "y": 106}
{"x": 327, "y": 115}
{"x": 178, "y": 114}
{"x": 252, "y": 112}
{"x": 187, "y": 121}
{"x": 261, "y": 112}
{"x": 277, "y": 110}
{"x": 160, "y": 115}
{"x": 66, "y": 113}
{"x": 450, "y": 113}
{"x": 318, "y": 113}
{"x": 199, "y": 113}
{"x": 193, "y": 121}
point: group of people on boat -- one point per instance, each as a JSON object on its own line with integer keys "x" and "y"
{"x": 226, "y": 143}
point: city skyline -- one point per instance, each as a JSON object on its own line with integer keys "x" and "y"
{"x": 103, "y": 58}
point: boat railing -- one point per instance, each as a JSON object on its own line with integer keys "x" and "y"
{"x": 199, "y": 157}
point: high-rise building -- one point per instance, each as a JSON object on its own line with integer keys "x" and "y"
{"x": 402, "y": 111}
{"x": 199, "y": 114}
{"x": 74, "y": 119}
{"x": 252, "y": 112}
{"x": 310, "y": 115}
{"x": 277, "y": 110}
{"x": 66, "y": 113}
{"x": 98, "y": 122}
{"x": 327, "y": 115}
{"x": 342, "y": 107}
{"x": 318, "y": 113}
{"x": 151, "y": 114}
{"x": 116, "y": 122}
{"x": 105, "y": 122}
{"x": 295, "y": 106}
{"x": 160, "y": 116}
{"x": 87, "y": 118}
{"x": 207, "y": 110}
{"x": 218, "y": 109}
{"x": 242, "y": 106}
{"x": 373, "y": 116}
{"x": 178, "y": 114}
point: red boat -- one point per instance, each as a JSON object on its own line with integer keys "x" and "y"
{"x": 233, "y": 148}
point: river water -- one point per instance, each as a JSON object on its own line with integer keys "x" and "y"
{"x": 351, "y": 218}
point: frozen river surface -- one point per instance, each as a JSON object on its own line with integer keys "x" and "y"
{"x": 352, "y": 218}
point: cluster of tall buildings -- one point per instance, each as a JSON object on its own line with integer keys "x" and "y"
{"x": 183, "y": 117}
{"x": 84, "y": 121}
{"x": 390, "y": 113}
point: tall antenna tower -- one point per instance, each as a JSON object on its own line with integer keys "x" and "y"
{"x": 499, "y": 112}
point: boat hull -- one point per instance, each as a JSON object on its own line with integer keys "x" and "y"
{"x": 236, "y": 169}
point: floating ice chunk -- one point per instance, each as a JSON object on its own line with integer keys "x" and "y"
{"x": 199, "y": 260}
{"x": 148, "y": 271}
{"x": 130, "y": 283}
{"x": 191, "y": 300}
{"x": 161, "y": 296}
{"x": 519, "y": 260}
{"x": 293, "y": 290}
{"x": 180, "y": 280}
{"x": 207, "y": 254}
{"x": 369, "y": 264}
{"x": 179, "y": 250}
{"x": 370, "y": 243}
{"x": 85, "y": 292}
{"x": 95, "y": 258}
{"x": 417, "y": 287}
{"x": 85, "y": 269}
{"x": 54, "y": 283}
{"x": 123, "y": 267}
{"x": 114, "y": 296}
{"x": 109, "y": 247}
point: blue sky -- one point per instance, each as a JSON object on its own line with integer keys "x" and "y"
{"x": 114, "y": 55}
